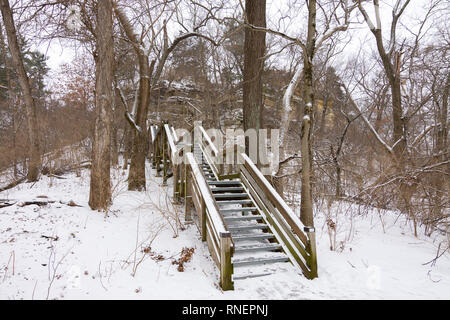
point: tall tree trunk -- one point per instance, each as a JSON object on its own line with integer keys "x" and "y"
{"x": 136, "y": 176}
{"x": 11, "y": 98}
{"x": 114, "y": 140}
{"x": 33, "y": 131}
{"x": 440, "y": 154}
{"x": 254, "y": 51}
{"x": 100, "y": 190}
{"x": 126, "y": 146}
{"x": 306, "y": 211}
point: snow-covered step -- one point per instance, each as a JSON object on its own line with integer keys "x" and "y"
{"x": 253, "y": 236}
{"x": 226, "y": 183}
{"x": 229, "y": 189}
{"x": 232, "y": 202}
{"x": 256, "y": 248}
{"x": 242, "y": 209}
{"x": 254, "y": 261}
{"x": 242, "y": 218}
{"x": 259, "y": 226}
{"x": 230, "y": 195}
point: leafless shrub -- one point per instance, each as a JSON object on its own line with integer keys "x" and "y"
{"x": 169, "y": 211}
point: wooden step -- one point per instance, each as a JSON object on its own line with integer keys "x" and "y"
{"x": 230, "y": 195}
{"x": 231, "y": 202}
{"x": 253, "y": 236}
{"x": 256, "y": 248}
{"x": 226, "y": 183}
{"x": 243, "y": 209}
{"x": 220, "y": 189}
{"x": 258, "y": 226}
{"x": 243, "y": 218}
{"x": 250, "y": 261}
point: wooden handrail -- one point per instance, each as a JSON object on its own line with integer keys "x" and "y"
{"x": 171, "y": 142}
{"x": 207, "y": 195}
{"x": 293, "y": 221}
{"x": 213, "y": 227}
{"x": 281, "y": 218}
{"x": 208, "y": 141}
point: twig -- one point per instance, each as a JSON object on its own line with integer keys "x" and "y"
{"x": 55, "y": 268}
{"x": 32, "y": 295}
{"x": 433, "y": 261}
{"x": 13, "y": 256}
{"x": 100, "y": 275}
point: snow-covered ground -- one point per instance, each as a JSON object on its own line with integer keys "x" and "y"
{"x": 60, "y": 251}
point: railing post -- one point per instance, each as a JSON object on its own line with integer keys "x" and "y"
{"x": 187, "y": 193}
{"x": 203, "y": 222}
{"x": 164, "y": 155}
{"x": 226, "y": 268}
{"x": 176, "y": 185}
{"x": 312, "y": 263}
{"x": 158, "y": 153}
{"x": 154, "y": 142}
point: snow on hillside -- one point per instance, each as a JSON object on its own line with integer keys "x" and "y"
{"x": 64, "y": 250}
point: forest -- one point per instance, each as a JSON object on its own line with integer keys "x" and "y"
{"x": 353, "y": 95}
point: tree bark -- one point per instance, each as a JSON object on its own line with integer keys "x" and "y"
{"x": 136, "y": 176}
{"x": 16, "y": 57}
{"x": 11, "y": 100}
{"x": 254, "y": 51}
{"x": 306, "y": 211}
{"x": 100, "y": 188}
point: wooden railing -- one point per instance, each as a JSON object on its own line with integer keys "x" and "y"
{"x": 209, "y": 150}
{"x": 156, "y": 141}
{"x": 210, "y": 222}
{"x": 297, "y": 240}
{"x": 214, "y": 157}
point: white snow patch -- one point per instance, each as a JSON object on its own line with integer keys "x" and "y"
{"x": 95, "y": 247}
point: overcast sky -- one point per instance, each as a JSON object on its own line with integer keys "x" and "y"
{"x": 287, "y": 16}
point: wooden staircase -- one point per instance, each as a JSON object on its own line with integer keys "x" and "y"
{"x": 254, "y": 242}
{"x": 249, "y": 229}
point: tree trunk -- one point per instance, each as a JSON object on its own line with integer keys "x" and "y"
{"x": 440, "y": 154}
{"x": 127, "y": 146}
{"x": 11, "y": 102}
{"x": 136, "y": 176}
{"x": 33, "y": 131}
{"x": 254, "y": 51}
{"x": 306, "y": 211}
{"x": 100, "y": 190}
{"x": 114, "y": 141}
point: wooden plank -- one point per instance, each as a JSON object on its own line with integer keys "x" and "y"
{"x": 258, "y": 195}
{"x": 208, "y": 141}
{"x": 226, "y": 268}
{"x": 187, "y": 194}
{"x": 212, "y": 249}
{"x": 285, "y": 236}
{"x": 276, "y": 200}
{"x": 213, "y": 241}
{"x": 213, "y": 210}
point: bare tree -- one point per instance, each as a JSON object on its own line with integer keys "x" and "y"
{"x": 254, "y": 52}
{"x": 391, "y": 59}
{"x": 33, "y": 131}
{"x": 100, "y": 191}
{"x": 150, "y": 71}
